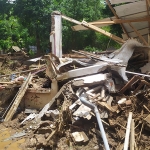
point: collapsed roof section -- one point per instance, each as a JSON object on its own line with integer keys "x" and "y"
{"x": 132, "y": 15}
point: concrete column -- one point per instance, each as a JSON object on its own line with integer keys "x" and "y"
{"x": 56, "y": 33}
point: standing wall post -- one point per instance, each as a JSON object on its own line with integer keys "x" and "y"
{"x": 56, "y": 33}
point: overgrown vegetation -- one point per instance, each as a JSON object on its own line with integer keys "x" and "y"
{"x": 25, "y": 23}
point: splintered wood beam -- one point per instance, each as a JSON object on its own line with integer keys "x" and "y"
{"x": 83, "y": 23}
{"x": 116, "y": 21}
{"x": 139, "y": 35}
{"x": 113, "y": 11}
{"x": 18, "y": 99}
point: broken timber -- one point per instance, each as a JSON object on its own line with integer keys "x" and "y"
{"x": 118, "y": 21}
{"x": 17, "y": 101}
{"x": 113, "y": 11}
{"x": 83, "y": 23}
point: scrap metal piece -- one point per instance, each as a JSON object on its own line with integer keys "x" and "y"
{"x": 30, "y": 117}
{"x": 16, "y": 135}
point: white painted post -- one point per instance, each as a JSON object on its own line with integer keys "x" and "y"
{"x": 56, "y": 34}
{"x": 126, "y": 142}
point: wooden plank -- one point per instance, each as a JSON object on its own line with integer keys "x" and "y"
{"x": 80, "y": 27}
{"x": 131, "y": 8}
{"x": 114, "y": 37}
{"x": 144, "y": 36}
{"x": 127, "y": 27}
{"x": 108, "y": 107}
{"x": 137, "y": 25}
{"x": 134, "y": 35}
{"x": 117, "y": 21}
{"x": 18, "y": 98}
{"x": 113, "y": 11}
{"x": 140, "y": 36}
{"x": 121, "y": 1}
{"x": 134, "y": 16}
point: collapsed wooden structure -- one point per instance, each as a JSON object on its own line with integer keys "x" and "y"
{"x": 115, "y": 96}
{"x": 132, "y": 15}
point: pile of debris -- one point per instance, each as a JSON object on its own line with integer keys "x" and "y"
{"x": 83, "y": 103}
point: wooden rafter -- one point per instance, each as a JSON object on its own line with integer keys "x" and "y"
{"x": 116, "y": 21}
{"x": 113, "y": 11}
{"x": 139, "y": 35}
{"x": 121, "y": 1}
{"x": 90, "y": 26}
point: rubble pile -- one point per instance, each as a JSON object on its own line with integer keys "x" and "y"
{"x": 88, "y": 102}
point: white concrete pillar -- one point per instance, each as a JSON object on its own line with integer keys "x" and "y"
{"x": 56, "y": 34}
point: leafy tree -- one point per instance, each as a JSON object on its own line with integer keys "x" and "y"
{"x": 12, "y": 33}
{"x": 28, "y": 22}
{"x": 35, "y": 15}
{"x": 80, "y": 10}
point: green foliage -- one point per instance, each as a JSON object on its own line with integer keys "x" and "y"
{"x": 31, "y": 53}
{"x": 90, "y": 49}
{"x": 12, "y": 33}
{"x": 80, "y": 10}
{"x": 35, "y": 16}
{"x": 28, "y": 22}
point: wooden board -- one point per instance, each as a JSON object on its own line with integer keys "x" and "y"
{"x": 121, "y": 1}
{"x": 135, "y": 16}
{"x": 131, "y": 8}
{"x": 137, "y": 25}
{"x": 18, "y": 99}
{"x": 133, "y": 34}
{"x": 80, "y": 27}
{"x": 90, "y": 26}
